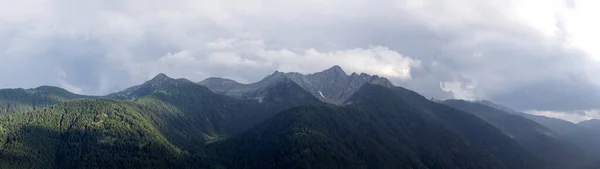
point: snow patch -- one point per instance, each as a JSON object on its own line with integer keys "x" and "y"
{"x": 321, "y": 94}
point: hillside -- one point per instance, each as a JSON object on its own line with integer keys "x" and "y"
{"x": 85, "y": 134}
{"x": 593, "y": 125}
{"x": 369, "y": 133}
{"x": 181, "y": 116}
{"x": 575, "y": 134}
{"x": 191, "y": 115}
{"x": 539, "y": 140}
{"x": 24, "y": 100}
{"x": 352, "y": 121}
{"x": 480, "y": 134}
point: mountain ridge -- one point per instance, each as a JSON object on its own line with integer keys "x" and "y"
{"x": 23, "y": 100}
{"x": 541, "y": 141}
{"x": 332, "y": 85}
{"x": 327, "y": 119}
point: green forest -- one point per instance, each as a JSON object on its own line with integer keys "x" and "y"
{"x": 176, "y": 123}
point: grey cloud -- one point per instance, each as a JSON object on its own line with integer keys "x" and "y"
{"x": 106, "y": 46}
{"x": 564, "y": 95}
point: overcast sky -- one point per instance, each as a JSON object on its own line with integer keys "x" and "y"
{"x": 539, "y": 56}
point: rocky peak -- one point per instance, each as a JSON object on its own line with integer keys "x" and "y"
{"x": 159, "y": 82}
{"x": 334, "y": 71}
{"x": 332, "y": 85}
{"x": 275, "y": 77}
{"x": 161, "y": 77}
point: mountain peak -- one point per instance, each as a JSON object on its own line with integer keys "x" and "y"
{"x": 278, "y": 73}
{"x": 159, "y": 79}
{"x": 159, "y": 82}
{"x": 335, "y": 70}
{"x": 161, "y": 76}
{"x": 49, "y": 88}
{"x": 277, "y": 76}
{"x": 336, "y": 67}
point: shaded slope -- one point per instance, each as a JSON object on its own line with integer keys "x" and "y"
{"x": 539, "y": 140}
{"x": 24, "y": 100}
{"x": 593, "y": 124}
{"x": 480, "y": 134}
{"x": 347, "y": 137}
{"x": 380, "y": 129}
{"x": 578, "y": 135}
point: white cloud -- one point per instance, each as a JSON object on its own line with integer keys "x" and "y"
{"x": 459, "y": 90}
{"x": 374, "y": 60}
{"x": 252, "y": 54}
{"x": 573, "y": 116}
{"x": 66, "y": 85}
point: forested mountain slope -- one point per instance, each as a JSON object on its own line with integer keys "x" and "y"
{"x": 541, "y": 141}
{"x": 24, "y": 100}
{"x": 85, "y": 134}
{"x": 191, "y": 114}
{"x": 288, "y": 120}
{"x": 379, "y": 129}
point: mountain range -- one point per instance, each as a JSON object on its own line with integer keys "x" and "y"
{"x": 327, "y": 119}
{"x": 332, "y": 86}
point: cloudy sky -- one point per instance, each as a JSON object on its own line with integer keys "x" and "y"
{"x": 539, "y": 56}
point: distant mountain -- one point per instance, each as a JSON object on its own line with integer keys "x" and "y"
{"x": 160, "y": 83}
{"x": 539, "y": 140}
{"x": 24, "y": 100}
{"x": 481, "y": 135}
{"x": 332, "y": 85}
{"x": 380, "y": 128}
{"x": 576, "y": 134}
{"x": 593, "y": 125}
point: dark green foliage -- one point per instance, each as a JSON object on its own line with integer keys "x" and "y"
{"x": 539, "y": 140}
{"x": 347, "y": 137}
{"x": 481, "y": 135}
{"x": 191, "y": 115}
{"x": 175, "y": 123}
{"x": 85, "y": 134}
{"x": 21, "y": 100}
{"x": 379, "y": 129}
{"x": 183, "y": 117}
